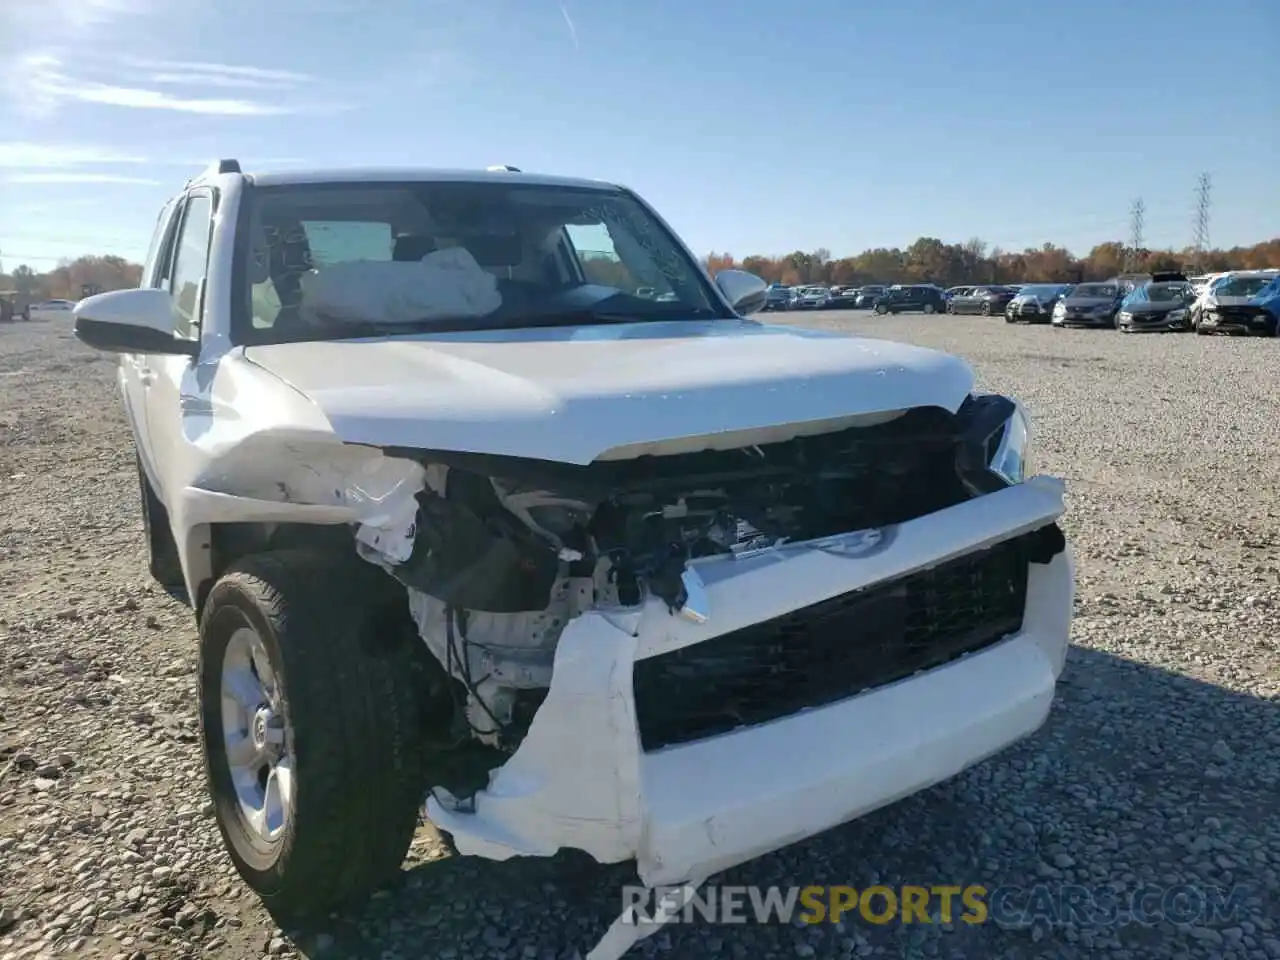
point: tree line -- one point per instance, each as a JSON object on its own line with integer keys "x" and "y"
{"x": 930, "y": 260}
{"x": 70, "y": 278}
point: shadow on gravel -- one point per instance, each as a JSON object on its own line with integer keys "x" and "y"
{"x": 1139, "y": 777}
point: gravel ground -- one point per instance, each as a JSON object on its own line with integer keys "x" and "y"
{"x": 1159, "y": 766}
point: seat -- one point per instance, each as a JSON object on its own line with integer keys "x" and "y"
{"x": 410, "y": 248}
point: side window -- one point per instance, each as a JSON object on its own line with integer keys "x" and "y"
{"x": 158, "y": 252}
{"x": 189, "y": 264}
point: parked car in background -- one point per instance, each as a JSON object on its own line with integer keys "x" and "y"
{"x": 951, "y": 292}
{"x": 1089, "y": 305}
{"x": 1259, "y": 315}
{"x": 1233, "y": 289}
{"x": 986, "y": 300}
{"x": 1035, "y": 302}
{"x": 780, "y": 297}
{"x": 52, "y": 310}
{"x": 868, "y": 295}
{"x": 1160, "y": 305}
{"x": 813, "y": 298}
{"x": 14, "y": 306}
{"x": 913, "y": 298}
{"x": 843, "y": 298}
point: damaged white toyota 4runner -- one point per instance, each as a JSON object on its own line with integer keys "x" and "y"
{"x": 484, "y": 493}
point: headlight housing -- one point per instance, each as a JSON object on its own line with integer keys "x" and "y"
{"x": 1176, "y": 316}
{"x": 1009, "y": 461}
{"x": 996, "y": 444}
{"x": 1060, "y": 309}
{"x": 1125, "y": 315}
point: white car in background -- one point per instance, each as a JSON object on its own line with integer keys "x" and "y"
{"x": 461, "y": 521}
{"x": 52, "y": 310}
{"x": 1234, "y": 289}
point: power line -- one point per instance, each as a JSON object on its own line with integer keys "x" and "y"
{"x": 1201, "y": 236}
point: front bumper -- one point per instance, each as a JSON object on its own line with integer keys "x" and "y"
{"x": 1031, "y": 312}
{"x": 581, "y": 779}
{"x": 1158, "y": 324}
{"x": 1085, "y": 320}
{"x": 1229, "y": 320}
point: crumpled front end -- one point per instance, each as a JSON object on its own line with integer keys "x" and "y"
{"x": 827, "y": 679}
{"x": 691, "y": 657}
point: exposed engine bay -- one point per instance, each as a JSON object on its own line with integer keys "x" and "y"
{"x": 507, "y": 551}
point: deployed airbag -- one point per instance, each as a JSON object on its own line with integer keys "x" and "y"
{"x": 446, "y": 283}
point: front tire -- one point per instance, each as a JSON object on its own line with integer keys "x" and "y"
{"x": 881, "y": 309}
{"x": 929, "y": 308}
{"x": 310, "y": 729}
{"x": 986, "y": 309}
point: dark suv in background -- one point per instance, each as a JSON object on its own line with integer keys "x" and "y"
{"x": 867, "y": 296}
{"x": 917, "y": 298}
{"x": 986, "y": 300}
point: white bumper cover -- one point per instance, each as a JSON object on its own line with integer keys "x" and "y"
{"x": 581, "y": 780}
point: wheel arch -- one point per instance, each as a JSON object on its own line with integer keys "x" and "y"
{"x": 214, "y": 548}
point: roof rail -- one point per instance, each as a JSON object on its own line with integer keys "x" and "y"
{"x": 503, "y": 168}
{"x": 215, "y": 168}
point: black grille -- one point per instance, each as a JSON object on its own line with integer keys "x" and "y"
{"x": 834, "y": 649}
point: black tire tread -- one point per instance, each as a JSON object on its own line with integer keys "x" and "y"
{"x": 353, "y": 715}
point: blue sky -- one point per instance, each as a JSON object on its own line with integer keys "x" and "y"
{"x": 753, "y": 126}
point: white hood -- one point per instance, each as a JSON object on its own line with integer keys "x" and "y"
{"x": 571, "y": 394}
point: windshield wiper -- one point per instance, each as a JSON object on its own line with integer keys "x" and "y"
{"x": 355, "y": 330}
{"x": 586, "y": 317}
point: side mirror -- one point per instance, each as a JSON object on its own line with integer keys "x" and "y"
{"x": 131, "y": 321}
{"x": 745, "y": 292}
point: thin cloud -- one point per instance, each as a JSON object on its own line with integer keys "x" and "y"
{"x": 140, "y": 99}
{"x": 63, "y": 178}
{"x": 27, "y": 155}
{"x": 209, "y": 80}
{"x": 75, "y": 16}
{"x": 227, "y": 71}
{"x": 48, "y": 87}
{"x": 573, "y": 31}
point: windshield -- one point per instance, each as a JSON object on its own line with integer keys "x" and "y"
{"x": 1240, "y": 286}
{"x": 345, "y": 260}
{"x": 1099, "y": 290}
{"x": 1043, "y": 290}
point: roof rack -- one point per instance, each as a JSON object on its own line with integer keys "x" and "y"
{"x": 225, "y": 165}
{"x": 503, "y": 168}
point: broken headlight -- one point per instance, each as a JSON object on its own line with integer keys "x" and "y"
{"x": 994, "y": 436}
{"x": 1009, "y": 459}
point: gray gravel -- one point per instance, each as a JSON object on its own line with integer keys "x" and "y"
{"x": 1159, "y": 766}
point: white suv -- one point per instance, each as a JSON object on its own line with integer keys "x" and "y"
{"x": 464, "y": 520}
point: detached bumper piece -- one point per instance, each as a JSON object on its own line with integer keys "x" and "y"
{"x": 836, "y": 649}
